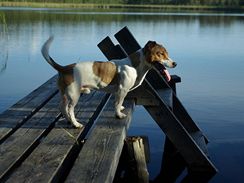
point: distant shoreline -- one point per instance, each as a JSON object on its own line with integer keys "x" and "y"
{"x": 110, "y": 6}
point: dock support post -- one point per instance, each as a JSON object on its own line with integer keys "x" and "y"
{"x": 136, "y": 148}
{"x": 133, "y": 162}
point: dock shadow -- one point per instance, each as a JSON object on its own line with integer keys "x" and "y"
{"x": 174, "y": 168}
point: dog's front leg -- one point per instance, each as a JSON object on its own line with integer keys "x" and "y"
{"x": 119, "y": 99}
{"x": 128, "y": 77}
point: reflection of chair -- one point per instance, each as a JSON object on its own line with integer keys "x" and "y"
{"x": 3, "y": 43}
{"x": 3, "y": 60}
{"x": 3, "y": 55}
{"x": 185, "y": 144}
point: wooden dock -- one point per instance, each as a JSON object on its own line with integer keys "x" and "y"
{"x": 37, "y": 144}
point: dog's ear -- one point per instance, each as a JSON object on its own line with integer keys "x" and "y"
{"x": 150, "y": 45}
{"x": 148, "y": 51}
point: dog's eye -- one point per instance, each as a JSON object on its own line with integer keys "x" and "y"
{"x": 160, "y": 53}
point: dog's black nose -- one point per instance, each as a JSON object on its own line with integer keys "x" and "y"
{"x": 174, "y": 64}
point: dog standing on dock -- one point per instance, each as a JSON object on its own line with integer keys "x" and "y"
{"x": 118, "y": 76}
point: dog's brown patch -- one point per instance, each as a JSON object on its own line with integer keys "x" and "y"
{"x": 155, "y": 52}
{"x": 66, "y": 77}
{"x": 105, "y": 70}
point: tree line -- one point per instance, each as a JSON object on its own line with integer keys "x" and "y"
{"x": 158, "y": 2}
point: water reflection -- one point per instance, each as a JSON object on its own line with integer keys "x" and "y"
{"x": 39, "y": 22}
{"x": 53, "y": 17}
{"x": 4, "y": 42}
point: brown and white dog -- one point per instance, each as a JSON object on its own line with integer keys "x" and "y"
{"x": 118, "y": 76}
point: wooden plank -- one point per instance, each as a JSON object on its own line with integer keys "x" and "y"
{"x": 142, "y": 96}
{"x": 199, "y": 138}
{"x": 175, "y": 79}
{"x": 193, "y": 155}
{"x": 52, "y": 159}
{"x": 156, "y": 79}
{"x": 120, "y": 54}
{"x": 166, "y": 95}
{"x": 20, "y": 144}
{"x": 110, "y": 50}
{"x": 19, "y": 113}
{"x": 106, "y": 45}
{"x": 186, "y": 120}
{"x": 99, "y": 157}
{"x": 158, "y": 83}
{"x": 127, "y": 41}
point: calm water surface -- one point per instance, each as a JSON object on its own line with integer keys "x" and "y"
{"x": 207, "y": 47}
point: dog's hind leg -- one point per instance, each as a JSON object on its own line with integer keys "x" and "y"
{"x": 63, "y": 106}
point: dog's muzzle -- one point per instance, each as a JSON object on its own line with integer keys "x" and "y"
{"x": 165, "y": 73}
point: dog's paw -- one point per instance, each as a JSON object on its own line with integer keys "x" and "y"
{"x": 120, "y": 115}
{"x": 122, "y": 108}
{"x": 77, "y": 125}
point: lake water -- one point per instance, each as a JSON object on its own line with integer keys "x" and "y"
{"x": 207, "y": 47}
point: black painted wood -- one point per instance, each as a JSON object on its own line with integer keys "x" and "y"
{"x": 178, "y": 135}
{"x": 127, "y": 41}
{"x": 110, "y": 50}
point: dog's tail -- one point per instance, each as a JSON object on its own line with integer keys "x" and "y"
{"x": 45, "y": 54}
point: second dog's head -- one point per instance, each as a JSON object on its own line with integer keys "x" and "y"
{"x": 156, "y": 53}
